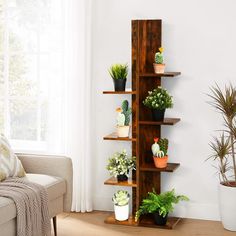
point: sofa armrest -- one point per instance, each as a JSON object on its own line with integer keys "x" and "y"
{"x": 51, "y": 165}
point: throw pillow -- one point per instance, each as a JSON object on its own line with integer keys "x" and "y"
{"x": 10, "y": 165}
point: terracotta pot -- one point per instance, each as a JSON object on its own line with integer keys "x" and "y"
{"x": 159, "y": 68}
{"x": 122, "y": 131}
{"x": 160, "y": 162}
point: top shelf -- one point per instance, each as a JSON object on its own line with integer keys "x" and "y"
{"x": 166, "y": 74}
{"x": 119, "y": 92}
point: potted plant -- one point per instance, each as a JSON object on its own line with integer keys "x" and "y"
{"x": 158, "y": 100}
{"x": 159, "y": 150}
{"x": 121, "y": 205}
{"x": 223, "y": 151}
{"x": 159, "y": 66}
{"x": 119, "y": 74}
{"x": 123, "y": 119}
{"x": 119, "y": 165}
{"x": 159, "y": 205}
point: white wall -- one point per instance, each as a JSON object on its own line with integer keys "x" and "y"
{"x": 200, "y": 41}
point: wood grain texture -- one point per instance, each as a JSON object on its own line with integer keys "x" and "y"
{"x": 154, "y": 75}
{"x": 113, "y": 136}
{"x": 114, "y": 181}
{"x": 166, "y": 121}
{"x": 171, "y": 167}
{"x": 119, "y": 92}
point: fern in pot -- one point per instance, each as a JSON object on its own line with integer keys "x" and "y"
{"x": 121, "y": 205}
{"x": 159, "y": 205}
{"x": 120, "y": 165}
{"x": 119, "y": 73}
{"x": 123, "y": 119}
{"x": 158, "y": 100}
{"x": 223, "y": 152}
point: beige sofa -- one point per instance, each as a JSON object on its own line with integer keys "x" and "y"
{"x": 53, "y": 172}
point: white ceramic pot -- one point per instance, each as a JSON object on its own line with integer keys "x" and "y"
{"x": 122, "y": 131}
{"x": 121, "y": 212}
{"x": 227, "y": 200}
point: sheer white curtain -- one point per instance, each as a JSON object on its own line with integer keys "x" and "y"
{"x": 78, "y": 99}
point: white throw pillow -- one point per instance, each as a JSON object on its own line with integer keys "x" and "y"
{"x": 10, "y": 165}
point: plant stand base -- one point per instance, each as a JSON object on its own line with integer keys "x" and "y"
{"x": 144, "y": 222}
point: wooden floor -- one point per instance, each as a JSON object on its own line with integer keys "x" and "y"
{"x": 92, "y": 224}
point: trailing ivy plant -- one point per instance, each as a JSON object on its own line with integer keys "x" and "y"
{"x": 120, "y": 164}
{"x": 223, "y": 147}
{"x": 162, "y": 203}
{"x": 158, "y": 99}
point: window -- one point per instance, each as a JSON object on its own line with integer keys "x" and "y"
{"x": 31, "y": 73}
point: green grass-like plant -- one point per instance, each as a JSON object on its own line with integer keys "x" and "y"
{"x": 118, "y": 71}
{"x": 162, "y": 203}
{"x": 158, "y": 98}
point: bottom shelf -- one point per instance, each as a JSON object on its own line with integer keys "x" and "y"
{"x": 146, "y": 221}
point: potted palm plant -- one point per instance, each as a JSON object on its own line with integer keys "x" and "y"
{"x": 159, "y": 66}
{"x": 120, "y": 164}
{"x": 158, "y": 100}
{"x": 159, "y": 150}
{"x": 119, "y": 74}
{"x": 223, "y": 151}
{"x": 121, "y": 205}
{"x": 123, "y": 119}
{"x": 159, "y": 205}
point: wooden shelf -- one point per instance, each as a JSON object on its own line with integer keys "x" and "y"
{"x": 114, "y": 181}
{"x": 167, "y": 121}
{"x": 113, "y": 136}
{"x": 119, "y": 92}
{"x": 171, "y": 167}
{"x": 146, "y": 221}
{"x": 166, "y": 74}
{"x": 111, "y": 220}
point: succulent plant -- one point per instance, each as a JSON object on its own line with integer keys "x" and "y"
{"x": 159, "y": 56}
{"x": 121, "y": 198}
{"x": 126, "y": 110}
{"x": 155, "y": 147}
{"x": 163, "y": 143}
{"x": 120, "y": 119}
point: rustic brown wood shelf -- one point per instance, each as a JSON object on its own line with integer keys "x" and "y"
{"x": 111, "y": 220}
{"x": 147, "y": 221}
{"x": 171, "y": 167}
{"x": 146, "y": 40}
{"x": 166, "y": 121}
{"x": 113, "y": 136}
{"x": 114, "y": 181}
{"x": 166, "y": 74}
{"x": 119, "y": 92}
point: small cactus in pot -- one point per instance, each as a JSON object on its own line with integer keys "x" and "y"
{"x": 123, "y": 119}
{"x": 159, "y": 66}
{"x": 159, "y": 151}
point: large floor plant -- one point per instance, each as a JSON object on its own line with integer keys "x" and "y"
{"x": 223, "y": 147}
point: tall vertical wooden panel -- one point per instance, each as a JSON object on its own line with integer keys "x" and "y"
{"x": 146, "y": 39}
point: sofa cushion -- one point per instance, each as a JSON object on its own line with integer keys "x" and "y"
{"x": 55, "y": 186}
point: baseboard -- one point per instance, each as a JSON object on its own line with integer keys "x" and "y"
{"x": 188, "y": 210}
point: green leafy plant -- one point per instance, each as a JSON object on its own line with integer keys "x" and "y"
{"x": 224, "y": 147}
{"x": 162, "y": 203}
{"x": 159, "y": 56}
{"x": 159, "y": 99}
{"x": 121, "y": 198}
{"x": 118, "y": 71}
{"x": 160, "y": 147}
{"x": 163, "y": 143}
{"x": 120, "y": 164}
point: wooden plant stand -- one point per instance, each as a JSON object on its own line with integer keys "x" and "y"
{"x": 146, "y": 39}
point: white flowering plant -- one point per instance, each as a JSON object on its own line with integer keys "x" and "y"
{"x": 120, "y": 164}
{"x": 159, "y": 99}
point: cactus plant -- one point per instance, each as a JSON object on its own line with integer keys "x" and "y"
{"x": 120, "y": 119}
{"x": 163, "y": 143}
{"x": 126, "y": 110}
{"x": 121, "y": 198}
{"x": 159, "y": 56}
